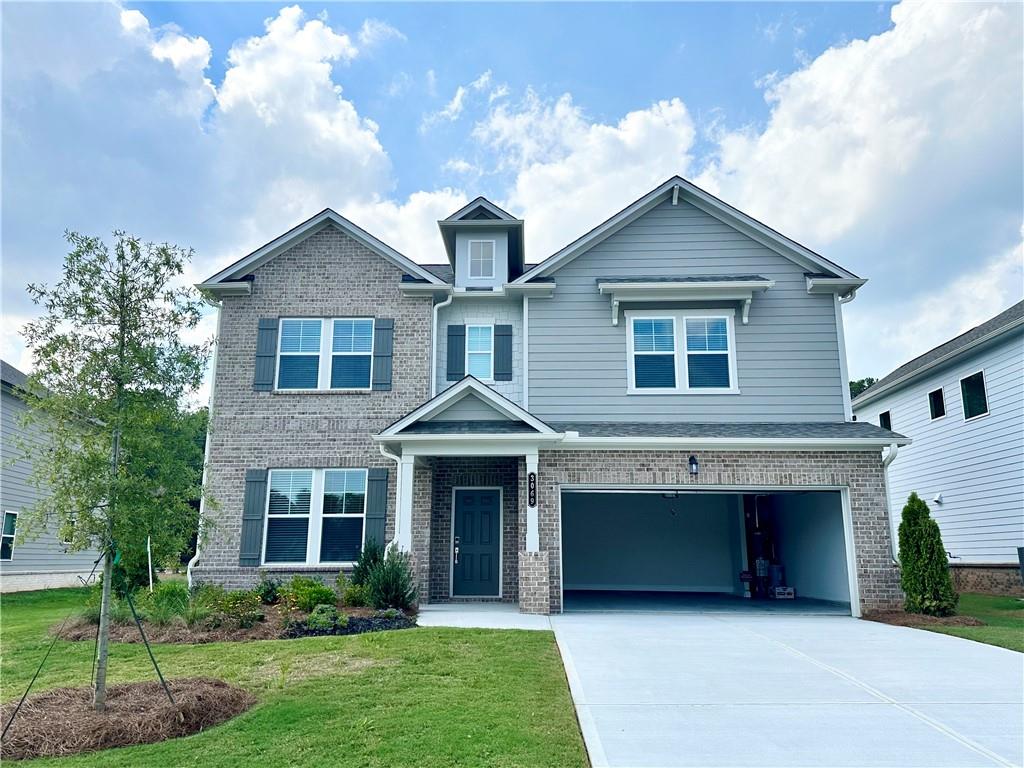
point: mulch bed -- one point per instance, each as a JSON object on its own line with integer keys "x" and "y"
{"x": 904, "y": 619}
{"x": 357, "y": 625}
{"x": 63, "y": 722}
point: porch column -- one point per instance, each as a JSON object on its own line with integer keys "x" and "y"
{"x": 532, "y": 524}
{"x": 403, "y": 523}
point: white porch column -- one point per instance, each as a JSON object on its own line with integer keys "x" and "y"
{"x": 403, "y": 521}
{"x": 532, "y": 522}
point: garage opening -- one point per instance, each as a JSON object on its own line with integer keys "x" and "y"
{"x": 705, "y": 551}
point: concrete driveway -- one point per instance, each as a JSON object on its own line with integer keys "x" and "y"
{"x": 746, "y": 690}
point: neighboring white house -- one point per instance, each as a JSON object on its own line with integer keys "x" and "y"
{"x": 43, "y": 561}
{"x": 962, "y": 403}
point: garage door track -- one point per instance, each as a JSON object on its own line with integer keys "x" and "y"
{"x": 744, "y": 690}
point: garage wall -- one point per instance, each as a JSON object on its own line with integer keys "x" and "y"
{"x": 812, "y": 544}
{"x": 642, "y": 541}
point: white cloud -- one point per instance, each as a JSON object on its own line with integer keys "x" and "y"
{"x": 454, "y": 108}
{"x": 410, "y": 227}
{"x": 374, "y": 32}
{"x": 460, "y": 165}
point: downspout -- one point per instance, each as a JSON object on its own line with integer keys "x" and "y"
{"x": 848, "y": 297}
{"x": 894, "y": 449}
{"x": 398, "y": 485}
{"x": 206, "y": 448}
{"x": 433, "y": 347}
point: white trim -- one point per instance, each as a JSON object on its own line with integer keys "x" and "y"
{"x": 469, "y": 259}
{"x": 631, "y": 353}
{"x": 840, "y": 286}
{"x": 480, "y": 202}
{"x": 490, "y": 375}
{"x": 660, "y": 292}
{"x": 325, "y": 356}
{"x": 12, "y": 536}
{"x": 963, "y": 402}
{"x": 438, "y": 305}
{"x": 844, "y": 374}
{"x": 945, "y": 411}
{"x": 526, "y": 352}
{"x": 653, "y": 443}
{"x": 228, "y": 288}
{"x": 501, "y": 540}
{"x": 888, "y": 414}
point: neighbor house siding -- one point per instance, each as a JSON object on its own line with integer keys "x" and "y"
{"x": 977, "y": 465}
{"x": 42, "y": 561}
{"x": 788, "y": 366}
{"x": 465, "y": 310}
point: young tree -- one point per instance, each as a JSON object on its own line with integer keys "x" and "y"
{"x": 110, "y": 373}
{"x": 859, "y": 385}
{"x": 924, "y": 569}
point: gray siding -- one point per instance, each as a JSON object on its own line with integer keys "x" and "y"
{"x": 39, "y": 556}
{"x": 468, "y": 310}
{"x": 469, "y": 408}
{"x": 977, "y": 465}
{"x": 787, "y": 357}
{"x": 462, "y": 278}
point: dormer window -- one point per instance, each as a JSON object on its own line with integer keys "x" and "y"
{"x": 481, "y": 258}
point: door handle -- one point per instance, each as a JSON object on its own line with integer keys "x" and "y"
{"x": 456, "y": 555}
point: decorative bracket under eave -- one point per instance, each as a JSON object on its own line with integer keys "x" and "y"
{"x": 615, "y": 311}
{"x": 746, "y": 310}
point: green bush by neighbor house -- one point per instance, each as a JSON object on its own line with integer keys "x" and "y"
{"x": 924, "y": 567}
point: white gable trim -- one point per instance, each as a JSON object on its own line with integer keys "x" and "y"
{"x": 309, "y": 227}
{"x": 675, "y": 188}
{"x": 464, "y": 388}
{"x": 481, "y": 202}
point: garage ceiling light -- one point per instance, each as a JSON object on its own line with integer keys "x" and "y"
{"x": 694, "y": 466}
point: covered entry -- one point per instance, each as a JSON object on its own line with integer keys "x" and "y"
{"x": 706, "y": 550}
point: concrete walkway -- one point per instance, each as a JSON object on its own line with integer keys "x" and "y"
{"x": 667, "y": 690}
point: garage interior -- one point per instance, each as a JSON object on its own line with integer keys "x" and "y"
{"x": 704, "y": 551}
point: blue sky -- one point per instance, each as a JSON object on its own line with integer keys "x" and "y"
{"x": 887, "y": 137}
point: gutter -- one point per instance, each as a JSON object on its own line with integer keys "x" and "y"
{"x": 398, "y": 491}
{"x": 433, "y": 343}
{"x": 888, "y": 459}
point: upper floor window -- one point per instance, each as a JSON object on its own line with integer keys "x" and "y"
{"x": 972, "y": 391}
{"x": 936, "y": 404}
{"x": 700, "y": 359}
{"x": 325, "y": 353}
{"x": 480, "y": 351}
{"x": 885, "y": 420}
{"x": 481, "y": 258}
{"x": 7, "y": 539}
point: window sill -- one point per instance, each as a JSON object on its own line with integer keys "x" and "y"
{"x": 321, "y": 391}
{"x": 975, "y": 418}
{"x": 305, "y": 567}
{"x": 683, "y": 392}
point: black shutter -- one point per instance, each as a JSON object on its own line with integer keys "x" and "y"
{"x": 253, "y": 507}
{"x": 376, "y": 504}
{"x": 503, "y": 353}
{"x": 383, "y": 345}
{"x": 456, "y": 352}
{"x": 266, "y": 354}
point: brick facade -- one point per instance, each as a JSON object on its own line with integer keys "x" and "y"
{"x": 988, "y": 579}
{"x": 535, "y": 581}
{"x": 326, "y": 275}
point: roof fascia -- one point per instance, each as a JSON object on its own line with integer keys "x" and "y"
{"x": 575, "y": 440}
{"x": 480, "y": 202}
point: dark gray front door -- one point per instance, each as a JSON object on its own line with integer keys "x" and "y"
{"x": 476, "y": 544}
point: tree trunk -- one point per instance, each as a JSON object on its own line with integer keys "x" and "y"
{"x": 99, "y": 700}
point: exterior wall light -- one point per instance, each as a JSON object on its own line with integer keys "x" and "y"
{"x": 694, "y": 466}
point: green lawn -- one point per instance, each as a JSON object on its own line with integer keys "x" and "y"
{"x": 1003, "y": 617}
{"x": 437, "y": 697}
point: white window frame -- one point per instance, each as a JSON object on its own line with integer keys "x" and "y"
{"x": 315, "y": 518}
{"x": 10, "y": 536}
{"x": 963, "y": 403}
{"x": 490, "y": 327}
{"x": 326, "y": 355}
{"x": 883, "y": 413}
{"x": 469, "y": 259}
{"x": 945, "y": 410}
{"x": 681, "y": 351}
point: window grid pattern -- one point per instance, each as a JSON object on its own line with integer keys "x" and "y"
{"x": 654, "y": 359}
{"x": 480, "y": 351}
{"x": 299, "y": 359}
{"x": 707, "y": 352}
{"x": 351, "y": 354}
{"x": 481, "y": 258}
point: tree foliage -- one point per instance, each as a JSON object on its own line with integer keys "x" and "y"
{"x": 859, "y": 385}
{"x": 924, "y": 568}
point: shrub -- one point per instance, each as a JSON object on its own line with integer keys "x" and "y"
{"x": 269, "y": 590}
{"x": 924, "y": 567}
{"x": 305, "y": 593}
{"x": 169, "y": 597}
{"x": 340, "y": 583}
{"x": 369, "y": 558}
{"x": 209, "y": 595}
{"x": 389, "y": 613}
{"x": 391, "y": 583}
{"x": 197, "y": 613}
{"x": 242, "y": 607}
{"x": 356, "y": 595}
{"x": 325, "y": 618}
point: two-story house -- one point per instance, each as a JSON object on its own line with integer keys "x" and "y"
{"x": 659, "y": 407}
{"x": 963, "y": 404}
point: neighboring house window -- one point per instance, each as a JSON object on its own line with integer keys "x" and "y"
{"x": 315, "y": 516}
{"x": 481, "y": 258}
{"x": 7, "y": 539}
{"x": 937, "y": 404}
{"x": 885, "y": 420}
{"x": 654, "y": 353}
{"x": 480, "y": 351}
{"x": 683, "y": 351}
{"x": 325, "y": 354}
{"x": 972, "y": 390}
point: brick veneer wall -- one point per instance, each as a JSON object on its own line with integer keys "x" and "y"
{"x": 860, "y": 471}
{"x": 988, "y": 579}
{"x": 451, "y": 472}
{"x": 535, "y": 582}
{"x": 326, "y": 275}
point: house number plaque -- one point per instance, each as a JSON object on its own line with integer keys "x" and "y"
{"x": 531, "y": 486}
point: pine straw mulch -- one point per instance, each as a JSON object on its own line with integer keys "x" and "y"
{"x": 904, "y": 619}
{"x": 63, "y": 722}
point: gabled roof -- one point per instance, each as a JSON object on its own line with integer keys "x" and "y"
{"x": 480, "y": 208}
{"x": 327, "y": 217}
{"x": 679, "y": 188}
{"x": 991, "y": 329}
{"x": 469, "y": 386}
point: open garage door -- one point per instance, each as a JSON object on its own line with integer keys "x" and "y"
{"x": 670, "y": 549}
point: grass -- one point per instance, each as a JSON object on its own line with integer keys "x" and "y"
{"x": 427, "y": 696}
{"x": 1003, "y": 617}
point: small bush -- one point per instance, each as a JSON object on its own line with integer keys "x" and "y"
{"x": 340, "y": 583}
{"x": 924, "y": 567}
{"x": 389, "y": 613}
{"x": 242, "y": 607}
{"x": 356, "y": 595}
{"x": 197, "y": 614}
{"x": 391, "y": 583}
{"x": 269, "y": 590}
{"x": 169, "y": 597}
{"x": 325, "y": 618}
{"x": 306, "y": 594}
{"x": 369, "y": 558}
{"x": 209, "y": 595}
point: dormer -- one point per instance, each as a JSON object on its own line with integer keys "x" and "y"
{"x": 484, "y": 245}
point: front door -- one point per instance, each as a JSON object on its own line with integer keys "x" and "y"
{"x": 476, "y": 542}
